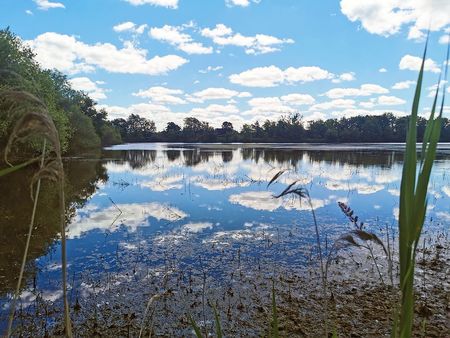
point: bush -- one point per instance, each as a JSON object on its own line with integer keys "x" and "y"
{"x": 109, "y": 135}
{"x": 84, "y": 139}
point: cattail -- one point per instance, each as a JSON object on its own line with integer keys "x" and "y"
{"x": 349, "y": 213}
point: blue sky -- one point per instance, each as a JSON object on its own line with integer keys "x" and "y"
{"x": 237, "y": 60}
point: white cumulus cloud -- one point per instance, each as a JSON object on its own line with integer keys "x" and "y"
{"x": 387, "y": 17}
{"x": 240, "y": 3}
{"x": 403, "y": 84}
{"x": 175, "y": 36}
{"x": 258, "y": 44}
{"x": 214, "y": 93}
{"x": 88, "y": 86}
{"x": 129, "y": 27}
{"x": 214, "y": 110}
{"x": 266, "y": 107}
{"x": 46, "y": 4}
{"x": 68, "y": 54}
{"x": 444, "y": 39}
{"x": 272, "y": 76}
{"x": 334, "y": 104}
{"x": 298, "y": 99}
{"x": 156, "y": 112}
{"x": 210, "y": 69}
{"x": 364, "y": 90}
{"x": 350, "y": 76}
{"x": 385, "y": 100}
{"x": 161, "y": 95}
{"x": 410, "y": 62}
{"x": 173, "y": 4}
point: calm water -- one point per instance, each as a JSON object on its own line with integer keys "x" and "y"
{"x": 171, "y": 193}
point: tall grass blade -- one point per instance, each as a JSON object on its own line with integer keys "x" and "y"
{"x": 150, "y": 302}
{"x": 16, "y": 167}
{"x": 217, "y": 321}
{"x": 274, "y": 330}
{"x": 413, "y": 200}
{"x": 67, "y": 321}
{"x": 407, "y": 205}
{"x": 276, "y": 176}
{"x": 198, "y": 332}
{"x": 335, "y": 335}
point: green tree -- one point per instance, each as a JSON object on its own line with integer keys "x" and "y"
{"x": 20, "y": 71}
{"x": 227, "y": 126}
{"x": 122, "y": 126}
{"x": 109, "y": 134}
{"x": 84, "y": 138}
{"x": 172, "y": 127}
{"x": 139, "y": 129}
{"x": 197, "y": 131}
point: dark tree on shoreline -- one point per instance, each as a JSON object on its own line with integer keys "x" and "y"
{"x": 135, "y": 128}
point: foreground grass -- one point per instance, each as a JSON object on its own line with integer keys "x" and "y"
{"x": 414, "y": 199}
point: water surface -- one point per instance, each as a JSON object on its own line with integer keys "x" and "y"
{"x": 145, "y": 197}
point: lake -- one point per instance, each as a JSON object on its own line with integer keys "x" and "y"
{"x": 142, "y": 209}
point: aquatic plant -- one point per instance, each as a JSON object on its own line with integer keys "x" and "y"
{"x": 361, "y": 238}
{"x": 274, "y": 329}
{"x": 197, "y": 330}
{"x": 152, "y": 300}
{"x": 302, "y": 193}
{"x": 413, "y": 198}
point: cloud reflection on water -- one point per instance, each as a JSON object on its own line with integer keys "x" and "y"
{"x": 130, "y": 215}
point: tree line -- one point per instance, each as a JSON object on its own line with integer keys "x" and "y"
{"x": 369, "y": 128}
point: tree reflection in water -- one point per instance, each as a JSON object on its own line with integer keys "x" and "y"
{"x": 82, "y": 179}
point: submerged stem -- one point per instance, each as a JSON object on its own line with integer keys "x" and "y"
{"x": 27, "y": 246}
{"x": 322, "y": 270}
{"x": 68, "y": 326}
{"x": 376, "y": 264}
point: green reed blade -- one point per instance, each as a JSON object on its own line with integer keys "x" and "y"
{"x": 217, "y": 322}
{"x": 14, "y": 168}
{"x": 274, "y": 327}
{"x": 198, "y": 332}
{"x": 413, "y": 199}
